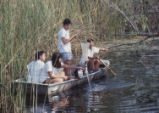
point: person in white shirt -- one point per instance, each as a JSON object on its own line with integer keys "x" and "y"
{"x": 35, "y": 67}
{"x": 64, "y": 44}
{"x": 93, "y": 58}
{"x": 53, "y": 71}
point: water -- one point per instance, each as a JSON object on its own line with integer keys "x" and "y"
{"x": 89, "y": 82}
{"x": 134, "y": 90}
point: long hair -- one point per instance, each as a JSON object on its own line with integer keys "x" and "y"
{"x": 55, "y": 60}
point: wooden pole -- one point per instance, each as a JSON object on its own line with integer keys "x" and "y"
{"x": 114, "y": 74}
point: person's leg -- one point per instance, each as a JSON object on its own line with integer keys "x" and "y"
{"x": 67, "y": 70}
{"x": 56, "y": 80}
{"x": 90, "y": 65}
{"x": 96, "y": 64}
{"x": 67, "y": 57}
{"x": 61, "y": 75}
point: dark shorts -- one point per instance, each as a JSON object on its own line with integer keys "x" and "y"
{"x": 66, "y": 56}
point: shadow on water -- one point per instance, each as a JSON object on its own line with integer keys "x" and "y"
{"x": 134, "y": 90}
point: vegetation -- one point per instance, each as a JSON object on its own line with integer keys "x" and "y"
{"x": 30, "y": 25}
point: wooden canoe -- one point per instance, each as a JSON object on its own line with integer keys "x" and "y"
{"x": 49, "y": 89}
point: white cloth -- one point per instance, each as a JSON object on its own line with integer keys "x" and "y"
{"x": 90, "y": 53}
{"x": 49, "y": 68}
{"x": 61, "y": 46}
{"x": 34, "y": 70}
{"x": 85, "y": 47}
{"x": 93, "y": 51}
{"x": 106, "y": 62}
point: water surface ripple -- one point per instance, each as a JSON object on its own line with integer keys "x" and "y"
{"x": 134, "y": 90}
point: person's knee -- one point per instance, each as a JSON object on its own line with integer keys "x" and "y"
{"x": 62, "y": 73}
{"x": 60, "y": 80}
{"x": 90, "y": 62}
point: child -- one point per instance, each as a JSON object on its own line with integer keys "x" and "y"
{"x": 35, "y": 67}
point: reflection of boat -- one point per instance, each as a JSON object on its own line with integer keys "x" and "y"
{"x": 47, "y": 89}
{"x": 70, "y": 101}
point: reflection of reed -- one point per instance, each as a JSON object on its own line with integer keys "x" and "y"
{"x": 139, "y": 83}
{"x": 94, "y": 99}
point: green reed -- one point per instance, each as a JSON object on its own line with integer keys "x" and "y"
{"x": 27, "y": 26}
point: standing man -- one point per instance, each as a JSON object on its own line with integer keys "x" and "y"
{"x": 64, "y": 44}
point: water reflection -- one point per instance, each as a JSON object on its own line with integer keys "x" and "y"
{"x": 59, "y": 105}
{"x": 135, "y": 90}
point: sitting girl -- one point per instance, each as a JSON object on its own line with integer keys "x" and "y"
{"x": 53, "y": 71}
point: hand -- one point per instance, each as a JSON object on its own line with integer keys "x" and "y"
{"x": 75, "y": 35}
{"x": 80, "y": 68}
{"x": 64, "y": 78}
{"x": 97, "y": 57}
{"x": 106, "y": 49}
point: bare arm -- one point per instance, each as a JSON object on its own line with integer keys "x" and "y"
{"x": 51, "y": 75}
{"x": 104, "y": 49}
{"x": 72, "y": 67}
{"x": 65, "y": 41}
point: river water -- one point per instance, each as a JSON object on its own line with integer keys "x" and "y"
{"x": 134, "y": 90}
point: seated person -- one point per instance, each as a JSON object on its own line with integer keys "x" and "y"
{"x": 93, "y": 59}
{"x": 53, "y": 71}
{"x": 35, "y": 67}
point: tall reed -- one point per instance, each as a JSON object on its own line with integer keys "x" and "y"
{"x": 27, "y": 26}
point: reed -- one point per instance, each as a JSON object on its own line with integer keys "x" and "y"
{"x": 27, "y": 26}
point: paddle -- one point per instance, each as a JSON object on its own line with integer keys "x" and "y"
{"x": 114, "y": 74}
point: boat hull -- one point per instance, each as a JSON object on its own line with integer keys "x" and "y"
{"x": 49, "y": 89}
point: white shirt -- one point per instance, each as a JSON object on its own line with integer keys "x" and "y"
{"x": 34, "y": 70}
{"x": 93, "y": 51}
{"x": 49, "y": 68}
{"x": 61, "y": 46}
{"x": 90, "y": 53}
